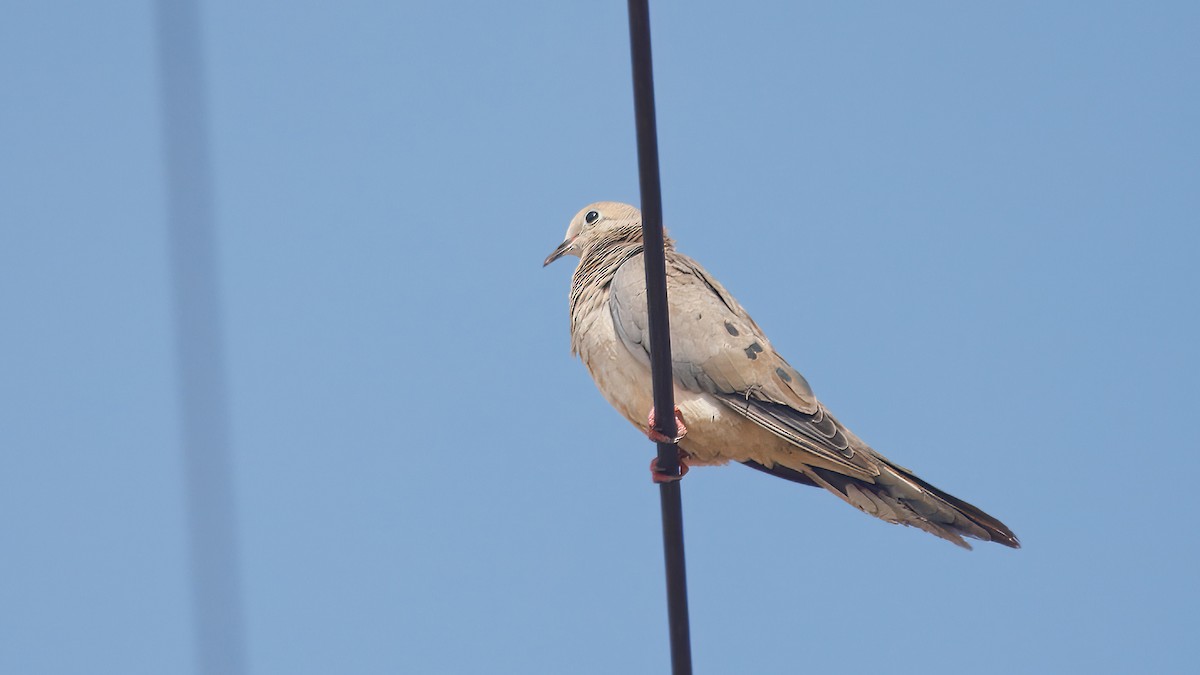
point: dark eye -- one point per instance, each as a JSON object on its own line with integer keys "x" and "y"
{"x": 591, "y": 217}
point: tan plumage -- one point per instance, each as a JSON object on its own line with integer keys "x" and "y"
{"x": 740, "y": 399}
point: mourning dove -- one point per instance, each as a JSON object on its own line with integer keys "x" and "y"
{"x": 739, "y": 399}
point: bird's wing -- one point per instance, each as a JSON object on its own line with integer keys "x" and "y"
{"x": 717, "y": 348}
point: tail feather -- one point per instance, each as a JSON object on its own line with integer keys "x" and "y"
{"x": 996, "y": 530}
{"x": 781, "y": 471}
{"x": 898, "y": 496}
{"x": 882, "y": 501}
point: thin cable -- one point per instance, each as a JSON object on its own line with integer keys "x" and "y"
{"x": 660, "y": 335}
{"x": 216, "y": 598}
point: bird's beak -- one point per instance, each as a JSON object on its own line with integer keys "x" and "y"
{"x": 563, "y": 249}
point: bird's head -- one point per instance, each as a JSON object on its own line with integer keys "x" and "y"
{"x": 595, "y": 223}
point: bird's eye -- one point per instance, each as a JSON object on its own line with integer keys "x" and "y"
{"x": 591, "y": 217}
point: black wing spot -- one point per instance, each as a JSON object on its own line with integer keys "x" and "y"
{"x": 731, "y": 328}
{"x": 753, "y": 351}
{"x": 783, "y": 375}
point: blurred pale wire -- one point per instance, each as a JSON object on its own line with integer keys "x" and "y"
{"x": 216, "y": 598}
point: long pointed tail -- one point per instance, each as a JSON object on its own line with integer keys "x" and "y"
{"x": 898, "y": 496}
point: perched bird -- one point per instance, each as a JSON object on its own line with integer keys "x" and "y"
{"x": 737, "y": 399}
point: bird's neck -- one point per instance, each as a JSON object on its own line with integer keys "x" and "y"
{"x": 592, "y": 279}
{"x": 597, "y": 266}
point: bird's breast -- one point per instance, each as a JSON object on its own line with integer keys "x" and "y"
{"x": 715, "y": 435}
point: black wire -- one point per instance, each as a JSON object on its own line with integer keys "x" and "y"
{"x": 660, "y": 335}
{"x": 216, "y": 599}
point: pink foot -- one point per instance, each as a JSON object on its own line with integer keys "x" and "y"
{"x": 680, "y": 429}
{"x": 660, "y": 477}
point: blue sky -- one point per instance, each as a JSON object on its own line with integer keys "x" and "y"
{"x": 973, "y": 229}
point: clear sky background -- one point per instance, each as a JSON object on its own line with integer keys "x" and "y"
{"x": 973, "y": 228}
